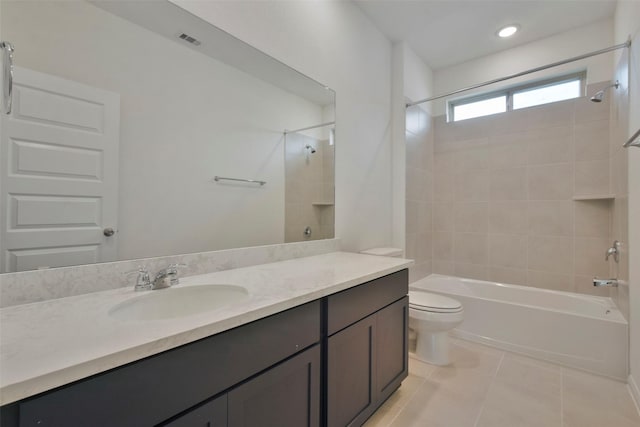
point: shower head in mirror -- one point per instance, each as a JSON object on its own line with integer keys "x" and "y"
{"x": 598, "y": 96}
{"x": 310, "y": 148}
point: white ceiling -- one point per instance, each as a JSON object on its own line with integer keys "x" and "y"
{"x": 449, "y": 32}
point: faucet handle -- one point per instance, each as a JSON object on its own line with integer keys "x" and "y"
{"x": 172, "y": 270}
{"x": 143, "y": 282}
{"x": 613, "y": 250}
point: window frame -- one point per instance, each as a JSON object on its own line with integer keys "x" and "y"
{"x": 580, "y": 76}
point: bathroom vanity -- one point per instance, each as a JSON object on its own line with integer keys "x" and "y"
{"x": 325, "y": 353}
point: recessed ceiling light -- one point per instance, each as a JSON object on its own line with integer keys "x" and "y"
{"x": 508, "y": 31}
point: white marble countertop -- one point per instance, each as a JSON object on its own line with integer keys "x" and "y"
{"x": 47, "y": 344}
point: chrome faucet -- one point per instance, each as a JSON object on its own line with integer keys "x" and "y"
{"x": 605, "y": 282}
{"x": 163, "y": 279}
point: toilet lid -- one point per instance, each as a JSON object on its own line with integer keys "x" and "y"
{"x": 433, "y": 302}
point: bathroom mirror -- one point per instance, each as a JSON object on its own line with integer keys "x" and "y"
{"x": 139, "y": 130}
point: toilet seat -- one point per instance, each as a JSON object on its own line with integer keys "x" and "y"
{"x": 433, "y": 303}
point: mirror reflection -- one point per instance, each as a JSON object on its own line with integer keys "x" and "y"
{"x": 123, "y": 115}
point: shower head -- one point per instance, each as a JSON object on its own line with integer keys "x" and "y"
{"x": 597, "y": 97}
{"x": 310, "y": 148}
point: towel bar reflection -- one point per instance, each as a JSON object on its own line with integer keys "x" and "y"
{"x": 634, "y": 141}
{"x": 253, "y": 181}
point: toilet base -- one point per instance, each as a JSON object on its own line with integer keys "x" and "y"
{"x": 433, "y": 348}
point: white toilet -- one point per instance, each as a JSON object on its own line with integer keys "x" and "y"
{"x": 431, "y": 316}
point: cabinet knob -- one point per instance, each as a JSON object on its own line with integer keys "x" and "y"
{"x": 108, "y": 231}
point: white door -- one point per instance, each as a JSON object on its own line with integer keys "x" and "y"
{"x": 58, "y": 174}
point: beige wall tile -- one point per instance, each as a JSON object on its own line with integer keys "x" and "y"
{"x": 418, "y": 182}
{"x": 472, "y": 186}
{"x": 508, "y": 250}
{"x": 508, "y": 217}
{"x": 550, "y": 115}
{"x": 552, "y": 145}
{"x": 546, "y": 280}
{"x": 419, "y": 271}
{"x": 589, "y": 256}
{"x": 507, "y": 155}
{"x": 471, "y": 248}
{"x": 472, "y": 271}
{"x": 550, "y": 182}
{"x": 443, "y": 187}
{"x": 509, "y": 184}
{"x": 443, "y": 246}
{"x": 472, "y": 159}
{"x": 592, "y": 140}
{"x": 550, "y": 253}
{"x": 593, "y": 218}
{"x": 424, "y": 244}
{"x": 511, "y": 276}
{"x": 410, "y": 245}
{"x": 443, "y": 216}
{"x": 551, "y": 218}
{"x": 592, "y": 177}
{"x": 471, "y": 217}
{"x": 444, "y": 267}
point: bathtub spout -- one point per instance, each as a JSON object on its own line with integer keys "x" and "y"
{"x": 605, "y": 282}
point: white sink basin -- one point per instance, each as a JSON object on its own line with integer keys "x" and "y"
{"x": 178, "y": 302}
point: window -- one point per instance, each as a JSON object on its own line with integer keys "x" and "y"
{"x": 522, "y": 96}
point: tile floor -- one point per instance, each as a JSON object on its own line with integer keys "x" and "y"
{"x": 486, "y": 387}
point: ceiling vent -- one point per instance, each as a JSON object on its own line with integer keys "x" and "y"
{"x": 189, "y": 39}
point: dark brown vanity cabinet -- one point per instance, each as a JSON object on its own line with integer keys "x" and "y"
{"x": 328, "y": 362}
{"x": 286, "y": 395}
{"x": 367, "y": 348}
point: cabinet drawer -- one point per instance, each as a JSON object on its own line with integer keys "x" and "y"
{"x": 287, "y": 395}
{"x": 351, "y": 305}
{"x": 154, "y": 389}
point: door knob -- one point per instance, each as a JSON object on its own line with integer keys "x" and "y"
{"x": 108, "y": 232}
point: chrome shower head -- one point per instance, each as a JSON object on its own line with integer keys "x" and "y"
{"x": 310, "y": 148}
{"x": 598, "y": 96}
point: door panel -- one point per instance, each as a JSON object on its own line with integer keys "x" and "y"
{"x": 59, "y": 174}
{"x": 392, "y": 327}
{"x": 351, "y": 378}
{"x": 285, "y": 396}
{"x": 211, "y": 414}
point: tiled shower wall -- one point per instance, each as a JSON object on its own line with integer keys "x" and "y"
{"x": 309, "y": 189}
{"x": 419, "y": 189}
{"x": 503, "y": 196}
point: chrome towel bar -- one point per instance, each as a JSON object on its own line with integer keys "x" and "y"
{"x": 222, "y": 178}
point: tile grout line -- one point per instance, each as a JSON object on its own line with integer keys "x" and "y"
{"x": 410, "y": 399}
{"x": 493, "y": 380}
{"x": 561, "y": 397}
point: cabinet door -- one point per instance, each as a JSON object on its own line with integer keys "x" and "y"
{"x": 351, "y": 379}
{"x": 210, "y": 414}
{"x": 392, "y": 347}
{"x": 287, "y": 395}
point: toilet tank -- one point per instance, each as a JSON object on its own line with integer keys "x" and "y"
{"x": 392, "y": 252}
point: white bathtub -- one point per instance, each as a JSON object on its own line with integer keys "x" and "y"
{"x": 575, "y": 330}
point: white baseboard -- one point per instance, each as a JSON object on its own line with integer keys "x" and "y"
{"x": 635, "y": 392}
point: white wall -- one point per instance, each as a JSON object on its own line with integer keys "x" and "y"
{"x": 627, "y": 24}
{"x": 334, "y": 43}
{"x": 185, "y": 118}
{"x": 541, "y": 52}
